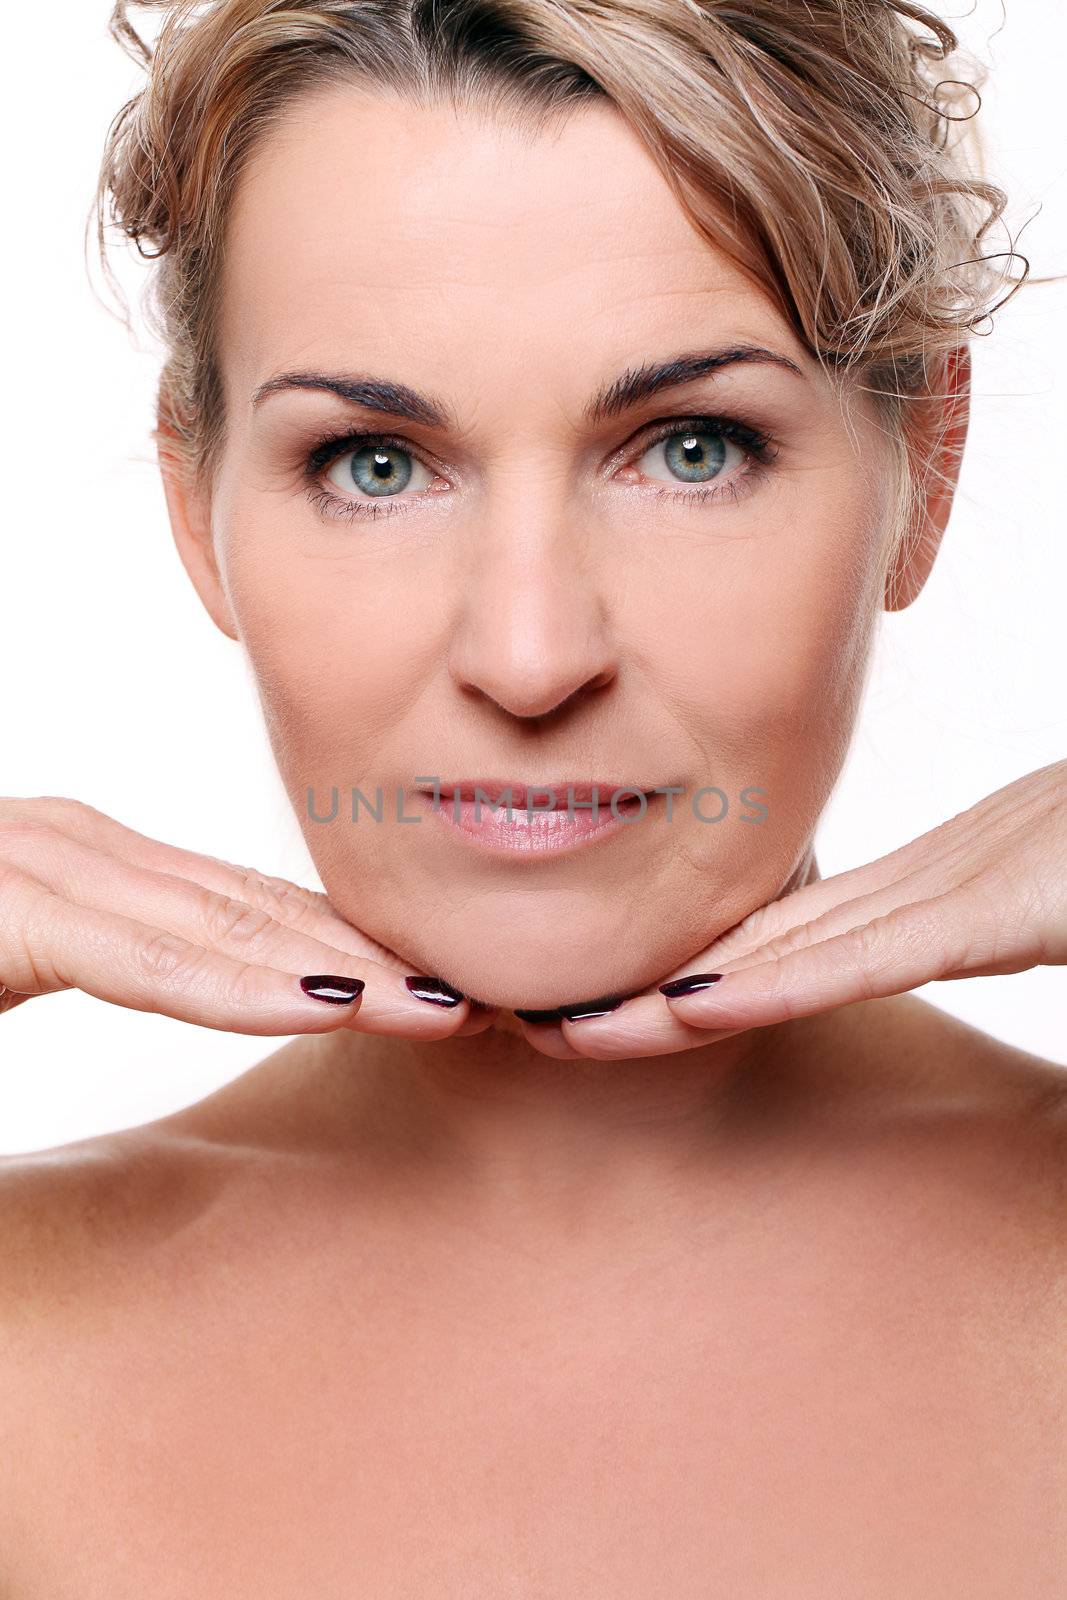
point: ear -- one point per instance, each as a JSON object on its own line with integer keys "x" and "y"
{"x": 947, "y": 418}
{"x": 190, "y": 523}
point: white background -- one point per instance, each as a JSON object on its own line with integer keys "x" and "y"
{"x": 118, "y": 690}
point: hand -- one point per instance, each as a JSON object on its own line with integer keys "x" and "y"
{"x": 86, "y": 903}
{"x": 985, "y": 892}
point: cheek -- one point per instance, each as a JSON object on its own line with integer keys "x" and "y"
{"x": 339, "y": 649}
{"x": 791, "y": 655}
{"x": 763, "y": 651}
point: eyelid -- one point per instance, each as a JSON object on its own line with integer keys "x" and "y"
{"x": 757, "y": 444}
{"x": 332, "y": 446}
{"x": 756, "y": 441}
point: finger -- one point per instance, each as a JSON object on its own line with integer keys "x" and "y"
{"x": 481, "y": 1017}
{"x": 914, "y": 944}
{"x": 88, "y": 876}
{"x": 904, "y": 875}
{"x": 130, "y": 963}
{"x": 548, "y": 1040}
{"x": 839, "y": 918}
{"x": 9, "y": 999}
{"x": 641, "y": 1026}
{"x": 951, "y": 852}
{"x": 297, "y": 907}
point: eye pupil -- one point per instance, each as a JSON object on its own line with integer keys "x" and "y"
{"x": 693, "y": 454}
{"x": 381, "y": 469}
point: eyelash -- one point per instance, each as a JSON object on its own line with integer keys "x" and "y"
{"x": 758, "y": 446}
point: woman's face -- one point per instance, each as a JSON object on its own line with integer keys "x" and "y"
{"x": 548, "y": 570}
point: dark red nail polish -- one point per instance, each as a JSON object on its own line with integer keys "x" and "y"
{"x": 692, "y": 984}
{"x": 335, "y": 991}
{"x": 554, "y": 1014}
{"x": 435, "y": 990}
{"x": 592, "y": 1008}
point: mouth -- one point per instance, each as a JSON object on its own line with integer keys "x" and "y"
{"x": 550, "y": 795}
{"x": 515, "y": 817}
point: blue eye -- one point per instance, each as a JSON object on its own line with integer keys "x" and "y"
{"x": 378, "y": 469}
{"x": 354, "y": 475}
{"x": 693, "y": 456}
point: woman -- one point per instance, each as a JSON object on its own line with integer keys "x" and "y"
{"x": 556, "y": 394}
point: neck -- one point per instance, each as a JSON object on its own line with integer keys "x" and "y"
{"x": 518, "y": 1128}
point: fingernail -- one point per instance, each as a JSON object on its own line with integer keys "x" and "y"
{"x": 436, "y": 990}
{"x": 689, "y": 985}
{"x": 553, "y": 1015}
{"x": 592, "y": 1008}
{"x": 336, "y": 991}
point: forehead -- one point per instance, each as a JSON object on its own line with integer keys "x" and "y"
{"x": 373, "y": 227}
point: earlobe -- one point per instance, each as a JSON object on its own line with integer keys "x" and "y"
{"x": 190, "y": 523}
{"x": 949, "y": 416}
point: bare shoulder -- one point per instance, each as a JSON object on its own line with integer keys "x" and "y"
{"x": 75, "y": 1218}
{"x": 1018, "y": 1112}
{"x": 969, "y": 1128}
{"x": 914, "y": 1055}
{"x": 1003, "y": 1076}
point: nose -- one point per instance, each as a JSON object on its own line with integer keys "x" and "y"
{"x": 533, "y": 629}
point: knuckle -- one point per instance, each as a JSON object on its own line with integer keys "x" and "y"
{"x": 18, "y": 971}
{"x": 785, "y": 944}
{"x": 17, "y": 893}
{"x": 781, "y": 994}
{"x": 60, "y": 807}
{"x": 776, "y": 987}
{"x": 25, "y": 962}
{"x": 281, "y": 900}
{"x": 49, "y": 808}
{"x": 750, "y": 934}
{"x": 869, "y": 953}
{"x": 753, "y": 929}
{"x": 166, "y": 957}
{"x": 244, "y": 986}
{"x": 33, "y": 845}
{"x": 232, "y": 866}
{"x": 234, "y": 922}
{"x": 18, "y": 833}
{"x": 867, "y": 942}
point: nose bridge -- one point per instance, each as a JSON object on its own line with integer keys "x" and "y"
{"x": 534, "y": 623}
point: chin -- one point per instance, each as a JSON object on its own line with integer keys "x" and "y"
{"x": 530, "y": 976}
{"x": 536, "y": 948}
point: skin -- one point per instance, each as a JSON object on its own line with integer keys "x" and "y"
{"x": 536, "y": 582}
{"x": 777, "y": 1315}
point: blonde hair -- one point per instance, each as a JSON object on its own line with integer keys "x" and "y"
{"x": 812, "y": 142}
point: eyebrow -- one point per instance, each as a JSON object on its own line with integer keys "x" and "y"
{"x": 630, "y": 389}
{"x": 638, "y": 384}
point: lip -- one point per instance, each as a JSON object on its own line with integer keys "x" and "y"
{"x": 538, "y": 831}
{"x": 494, "y": 788}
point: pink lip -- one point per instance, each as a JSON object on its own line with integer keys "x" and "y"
{"x": 494, "y": 788}
{"x": 537, "y": 831}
